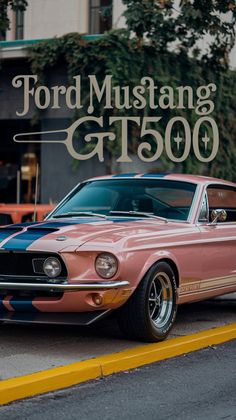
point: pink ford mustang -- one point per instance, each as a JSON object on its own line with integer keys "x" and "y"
{"x": 137, "y": 244}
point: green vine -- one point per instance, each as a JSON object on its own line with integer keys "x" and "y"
{"x": 123, "y": 57}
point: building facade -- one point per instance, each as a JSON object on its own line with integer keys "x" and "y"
{"x": 49, "y": 18}
{"x": 46, "y": 19}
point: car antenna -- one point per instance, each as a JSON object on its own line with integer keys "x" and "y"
{"x": 36, "y": 191}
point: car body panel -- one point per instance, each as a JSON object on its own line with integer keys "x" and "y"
{"x": 201, "y": 254}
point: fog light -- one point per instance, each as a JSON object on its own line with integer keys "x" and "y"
{"x": 97, "y": 299}
{"x": 52, "y": 267}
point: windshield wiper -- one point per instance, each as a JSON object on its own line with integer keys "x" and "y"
{"x": 78, "y": 214}
{"x": 112, "y": 213}
{"x": 137, "y": 213}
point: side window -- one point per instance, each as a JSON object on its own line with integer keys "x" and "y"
{"x": 204, "y": 212}
{"x": 222, "y": 197}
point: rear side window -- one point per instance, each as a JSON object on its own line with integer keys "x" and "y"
{"x": 222, "y": 197}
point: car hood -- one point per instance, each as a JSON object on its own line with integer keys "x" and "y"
{"x": 69, "y": 234}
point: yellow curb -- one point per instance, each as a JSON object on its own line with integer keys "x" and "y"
{"x": 48, "y": 380}
{"x": 150, "y": 353}
{"x": 75, "y": 373}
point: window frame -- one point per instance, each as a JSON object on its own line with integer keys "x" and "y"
{"x": 208, "y": 210}
{"x": 215, "y": 185}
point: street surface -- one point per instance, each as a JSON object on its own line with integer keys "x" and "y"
{"x": 26, "y": 349}
{"x": 199, "y": 385}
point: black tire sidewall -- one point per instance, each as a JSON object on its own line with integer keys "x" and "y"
{"x": 154, "y": 331}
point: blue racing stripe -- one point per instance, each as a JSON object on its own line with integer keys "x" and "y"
{"x": 23, "y": 304}
{"x": 152, "y": 175}
{"x": 51, "y": 223}
{"x": 125, "y": 175}
{"x": 5, "y": 232}
{"x": 25, "y": 239}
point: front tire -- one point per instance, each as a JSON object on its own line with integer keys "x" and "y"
{"x": 150, "y": 312}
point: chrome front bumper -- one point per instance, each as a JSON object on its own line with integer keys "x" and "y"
{"x": 50, "y": 287}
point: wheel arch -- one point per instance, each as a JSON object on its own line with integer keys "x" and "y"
{"x": 169, "y": 259}
{"x": 174, "y": 267}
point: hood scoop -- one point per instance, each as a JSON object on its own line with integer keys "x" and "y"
{"x": 11, "y": 229}
{"x": 43, "y": 229}
{"x": 8, "y": 231}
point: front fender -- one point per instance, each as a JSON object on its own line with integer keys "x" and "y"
{"x": 154, "y": 258}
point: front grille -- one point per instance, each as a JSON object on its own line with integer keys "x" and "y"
{"x": 30, "y": 294}
{"x": 17, "y": 264}
{"x": 38, "y": 265}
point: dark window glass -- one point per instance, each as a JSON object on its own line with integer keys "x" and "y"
{"x": 19, "y": 24}
{"x": 169, "y": 199}
{"x": 223, "y": 197}
{"x": 2, "y": 36}
{"x": 3, "y": 11}
{"x": 100, "y": 16}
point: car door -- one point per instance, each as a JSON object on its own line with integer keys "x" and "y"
{"x": 218, "y": 238}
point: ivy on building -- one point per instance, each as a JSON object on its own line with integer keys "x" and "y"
{"x": 143, "y": 50}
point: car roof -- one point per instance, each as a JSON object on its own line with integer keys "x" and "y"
{"x": 196, "y": 179}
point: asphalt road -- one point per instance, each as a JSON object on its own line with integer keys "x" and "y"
{"x": 200, "y": 385}
{"x": 26, "y": 349}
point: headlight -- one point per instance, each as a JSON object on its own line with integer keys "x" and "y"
{"x": 52, "y": 267}
{"x": 106, "y": 265}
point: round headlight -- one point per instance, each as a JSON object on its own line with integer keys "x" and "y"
{"x": 106, "y": 265}
{"x": 52, "y": 267}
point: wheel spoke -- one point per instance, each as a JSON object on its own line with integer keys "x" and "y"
{"x": 155, "y": 289}
{"x": 151, "y": 299}
{"x": 155, "y": 300}
{"x": 160, "y": 302}
{"x": 153, "y": 311}
{"x": 160, "y": 295}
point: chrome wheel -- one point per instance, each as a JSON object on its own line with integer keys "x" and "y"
{"x": 160, "y": 299}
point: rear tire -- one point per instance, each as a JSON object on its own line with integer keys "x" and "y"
{"x": 150, "y": 312}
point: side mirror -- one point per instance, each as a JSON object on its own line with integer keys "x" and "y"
{"x": 218, "y": 215}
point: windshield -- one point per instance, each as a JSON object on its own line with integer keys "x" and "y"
{"x": 111, "y": 197}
